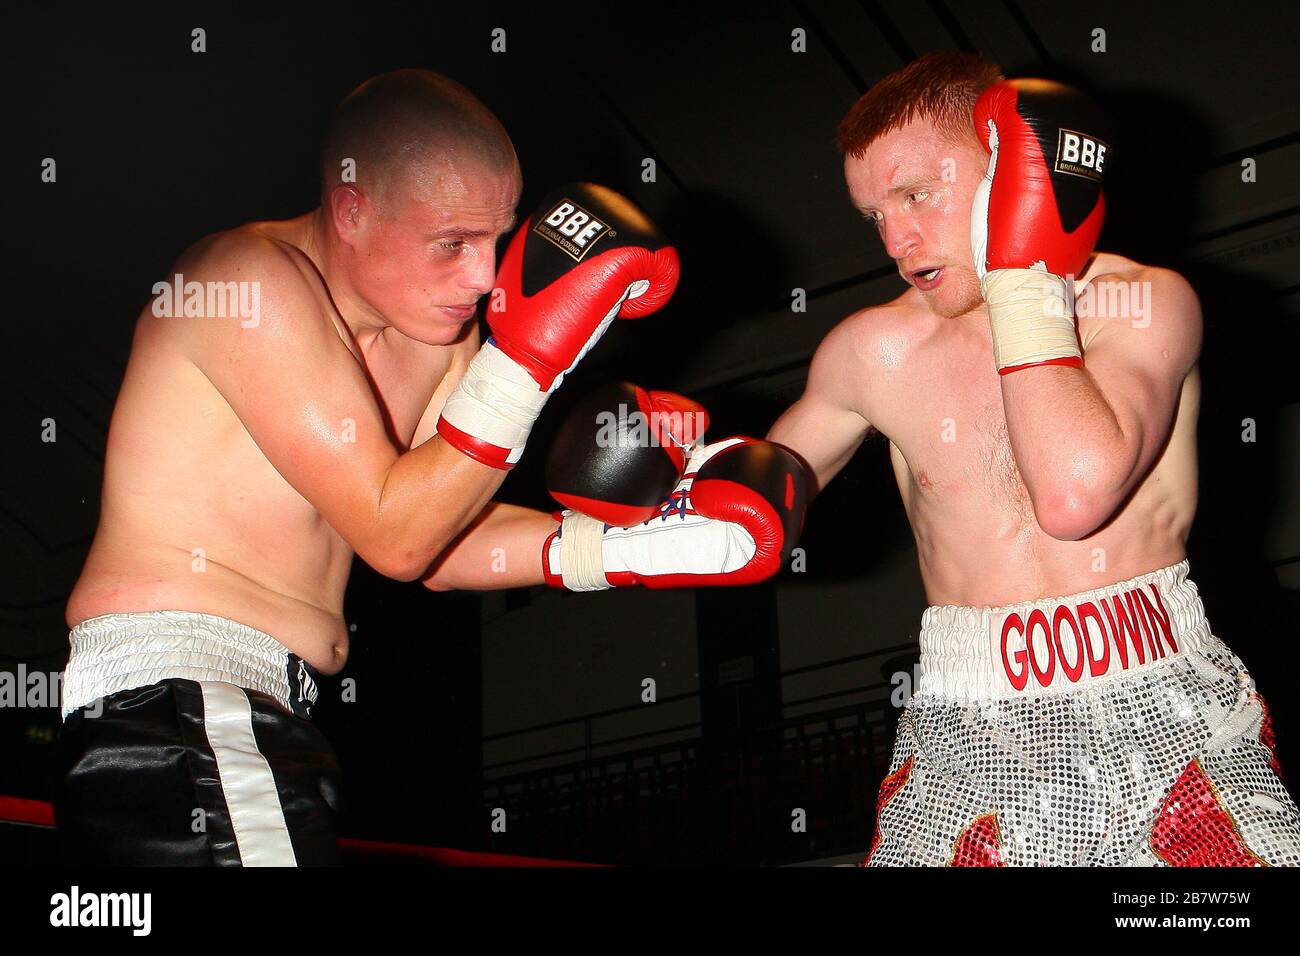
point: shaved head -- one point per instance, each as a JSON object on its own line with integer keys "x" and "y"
{"x": 408, "y": 130}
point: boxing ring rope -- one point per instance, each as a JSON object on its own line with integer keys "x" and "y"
{"x": 23, "y": 812}
{"x": 19, "y": 811}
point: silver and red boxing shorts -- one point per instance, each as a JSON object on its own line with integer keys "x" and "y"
{"x": 1108, "y": 728}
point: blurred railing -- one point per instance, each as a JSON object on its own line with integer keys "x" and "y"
{"x": 800, "y": 788}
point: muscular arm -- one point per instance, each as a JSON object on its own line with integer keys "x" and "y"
{"x": 825, "y": 426}
{"x": 502, "y": 548}
{"x": 1084, "y": 438}
{"x": 306, "y": 401}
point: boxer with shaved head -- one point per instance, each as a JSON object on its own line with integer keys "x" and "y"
{"x": 346, "y": 406}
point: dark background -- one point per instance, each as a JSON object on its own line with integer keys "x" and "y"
{"x": 781, "y": 691}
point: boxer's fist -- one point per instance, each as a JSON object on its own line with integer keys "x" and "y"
{"x": 1036, "y": 214}
{"x": 733, "y": 519}
{"x": 586, "y": 256}
{"x": 621, "y": 450}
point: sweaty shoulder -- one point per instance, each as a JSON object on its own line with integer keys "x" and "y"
{"x": 861, "y": 351}
{"x": 241, "y": 285}
{"x": 1108, "y": 267}
{"x": 878, "y": 337}
{"x": 1120, "y": 297}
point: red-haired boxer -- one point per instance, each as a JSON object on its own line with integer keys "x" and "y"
{"x": 250, "y": 457}
{"x": 1073, "y": 706}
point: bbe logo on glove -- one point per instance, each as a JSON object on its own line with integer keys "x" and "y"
{"x": 575, "y": 230}
{"x": 553, "y": 308}
{"x": 1036, "y": 215}
{"x": 1078, "y": 154}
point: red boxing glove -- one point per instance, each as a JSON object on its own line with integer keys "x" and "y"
{"x": 1036, "y": 215}
{"x": 587, "y": 256}
{"x": 734, "y": 518}
{"x": 621, "y": 450}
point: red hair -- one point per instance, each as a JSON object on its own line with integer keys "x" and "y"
{"x": 939, "y": 87}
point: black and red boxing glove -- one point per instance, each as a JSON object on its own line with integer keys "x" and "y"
{"x": 733, "y": 519}
{"x": 621, "y": 450}
{"x": 1036, "y": 215}
{"x": 586, "y": 256}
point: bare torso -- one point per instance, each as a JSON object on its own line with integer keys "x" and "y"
{"x": 194, "y": 516}
{"x": 928, "y": 384}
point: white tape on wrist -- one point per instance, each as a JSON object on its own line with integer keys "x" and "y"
{"x": 1030, "y": 316}
{"x": 496, "y": 401}
{"x": 582, "y": 565}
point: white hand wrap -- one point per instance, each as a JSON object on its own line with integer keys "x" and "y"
{"x": 496, "y": 401}
{"x": 1030, "y": 316}
{"x": 581, "y": 560}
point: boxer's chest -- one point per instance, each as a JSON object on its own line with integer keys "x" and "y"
{"x": 948, "y": 429}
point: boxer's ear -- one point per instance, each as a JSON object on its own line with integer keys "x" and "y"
{"x": 347, "y": 208}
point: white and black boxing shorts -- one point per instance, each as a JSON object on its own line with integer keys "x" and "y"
{"x": 1109, "y": 728}
{"x": 187, "y": 742}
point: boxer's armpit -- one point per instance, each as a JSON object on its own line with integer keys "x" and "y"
{"x": 828, "y": 423}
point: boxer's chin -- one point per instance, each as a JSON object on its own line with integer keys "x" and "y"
{"x": 434, "y": 330}
{"x": 445, "y": 335}
{"x": 957, "y": 296}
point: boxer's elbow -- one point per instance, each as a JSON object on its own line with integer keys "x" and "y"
{"x": 395, "y": 561}
{"x": 401, "y": 545}
{"x": 440, "y": 581}
{"x": 1072, "y": 512}
{"x": 1081, "y": 496}
{"x": 1065, "y": 519}
{"x": 1074, "y": 507}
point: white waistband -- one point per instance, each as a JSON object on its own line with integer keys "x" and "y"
{"x": 1058, "y": 644}
{"x": 123, "y": 651}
